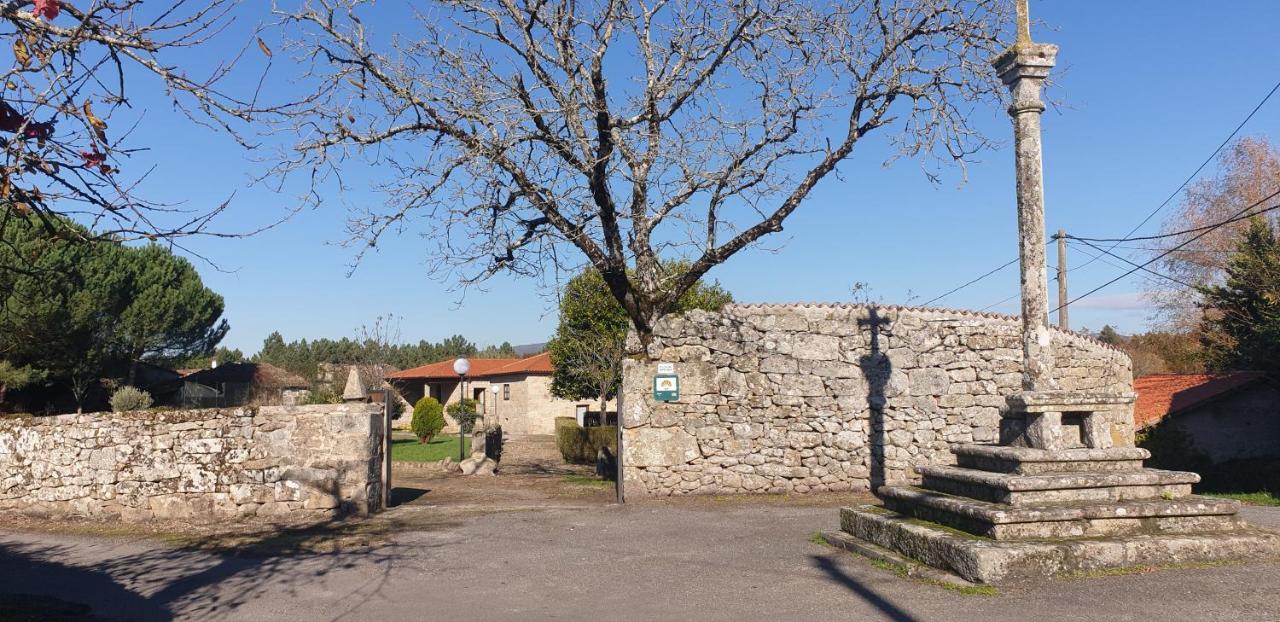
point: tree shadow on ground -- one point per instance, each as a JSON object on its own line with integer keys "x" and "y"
{"x": 205, "y": 578}
{"x": 548, "y": 469}
{"x": 829, "y": 567}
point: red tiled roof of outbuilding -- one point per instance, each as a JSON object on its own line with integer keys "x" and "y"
{"x": 536, "y": 364}
{"x": 480, "y": 368}
{"x": 1161, "y": 395}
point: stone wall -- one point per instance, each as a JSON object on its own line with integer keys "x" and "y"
{"x": 799, "y": 398}
{"x": 294, "y": 462}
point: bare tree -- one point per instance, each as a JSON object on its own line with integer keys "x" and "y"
{"x": 72, "y": 61}
{"x": 631, "y": 131}
{"x": 1248, "y": 172}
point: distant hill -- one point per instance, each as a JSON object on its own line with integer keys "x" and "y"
{"x": 531, "y": 349}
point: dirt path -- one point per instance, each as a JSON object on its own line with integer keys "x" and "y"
{"x": 531, "y": 476}
{"x": 535, "y": 454}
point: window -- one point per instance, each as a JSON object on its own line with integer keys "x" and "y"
{"x": 506, "y": 392}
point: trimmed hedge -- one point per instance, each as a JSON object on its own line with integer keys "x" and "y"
{"x": 579, "y": 445}
{"x": 428, "y": 419}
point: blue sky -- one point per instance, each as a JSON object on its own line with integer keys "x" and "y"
{"x": 1148, "y": 89}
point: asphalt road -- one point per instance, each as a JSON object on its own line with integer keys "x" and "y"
{"x": 668, "y": 561}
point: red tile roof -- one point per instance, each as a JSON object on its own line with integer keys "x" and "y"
{"x": 480, "y": 368}
{"x": 536, "y": 364}
{"x": 1161, "y": 395}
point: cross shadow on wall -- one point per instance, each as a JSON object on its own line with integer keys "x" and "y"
{"x": 876, "y": 369}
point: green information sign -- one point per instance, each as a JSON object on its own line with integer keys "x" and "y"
{"x": 666, "y": 387}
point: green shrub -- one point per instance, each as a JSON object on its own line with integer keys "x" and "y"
{"x": 464, "y": 412}
{"x": 322, "y": 393}
{"x": 428, "y": 419}
{"x": 128, "y": 398}
{"x": 579, "y": 445}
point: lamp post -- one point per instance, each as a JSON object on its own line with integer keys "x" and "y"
{"x": 461, "y": 366}
{"x": 496, "y": 419}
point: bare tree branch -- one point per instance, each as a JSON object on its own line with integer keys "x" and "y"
{"x": 634, "y": 131}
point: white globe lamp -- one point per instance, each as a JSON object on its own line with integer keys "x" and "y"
{"x": 461, "y": 366}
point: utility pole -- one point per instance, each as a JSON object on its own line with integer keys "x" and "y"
{"x": 1062, "y": 280}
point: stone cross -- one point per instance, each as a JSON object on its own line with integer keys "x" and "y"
{"x": 1023, "y": 69}
{"x": 875, "y": 322}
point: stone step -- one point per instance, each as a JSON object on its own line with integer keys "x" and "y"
{"x": 1018, "y": 490}
{"x": 1191, "y": 514}
{"x": 986, "y": 561}
{"x": 1027, "y": 461}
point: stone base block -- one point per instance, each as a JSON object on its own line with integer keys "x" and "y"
{"x": 983, "y": 560}
{"x": 1070, "y": 520}
{"x": 1028, "y": 461}
{"x": 1018, "y": 490}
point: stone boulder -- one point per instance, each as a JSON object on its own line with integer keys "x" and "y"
{"x": 478, "y": 464}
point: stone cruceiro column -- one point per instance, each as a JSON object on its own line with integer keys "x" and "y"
{"x": 1023, "y": 68}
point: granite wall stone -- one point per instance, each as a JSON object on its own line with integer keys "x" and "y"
{"x": 287, "y": 462}
{"x": 800, "y": 398}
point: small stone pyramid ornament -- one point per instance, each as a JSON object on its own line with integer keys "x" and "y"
{"x": 355, "y": 387}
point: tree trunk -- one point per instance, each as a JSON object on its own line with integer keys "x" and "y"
{"x": 133, "y": 371}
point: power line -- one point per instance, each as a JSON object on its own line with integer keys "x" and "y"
{"x": 985, "y": 275}
{"x": 1099, "y": 257}
{"x": 996, "y": 304}
{"x": 1241, "y": 215}
{"x": 1185, "y": 250}
{"x": 1145, "y": 220}
{"x": 1238, "y": 216}
{"x": 954, "y": 290}
{"x": 1165, "y": 253}
{"x": 1196, "y": 172}
{"x": 1207, "y": 160}
{"x": 1141, "y": 267}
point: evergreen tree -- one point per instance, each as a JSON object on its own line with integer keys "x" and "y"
{"x": 13, "y": 377}
{"x": 171, "y": 314}
{"x": 1109, "y": 335}
{"x": 589, "y": 343}
{"x": 1241, "y": 326}
{"x": 77, "y": 312}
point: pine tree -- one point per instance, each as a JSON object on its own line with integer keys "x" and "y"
{"x": 1241, "y": 327}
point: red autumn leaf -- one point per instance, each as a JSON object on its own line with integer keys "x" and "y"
{"x": 96, "y": 159}
{"x": 48, "y": 9}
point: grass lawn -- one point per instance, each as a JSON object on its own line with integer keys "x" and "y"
{"x": 1251, "y": 498}
{"x": 586, "y": 480}
{"x": 410, "y": 450}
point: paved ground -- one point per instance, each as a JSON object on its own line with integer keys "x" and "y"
{"x": 536, "y": 544}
